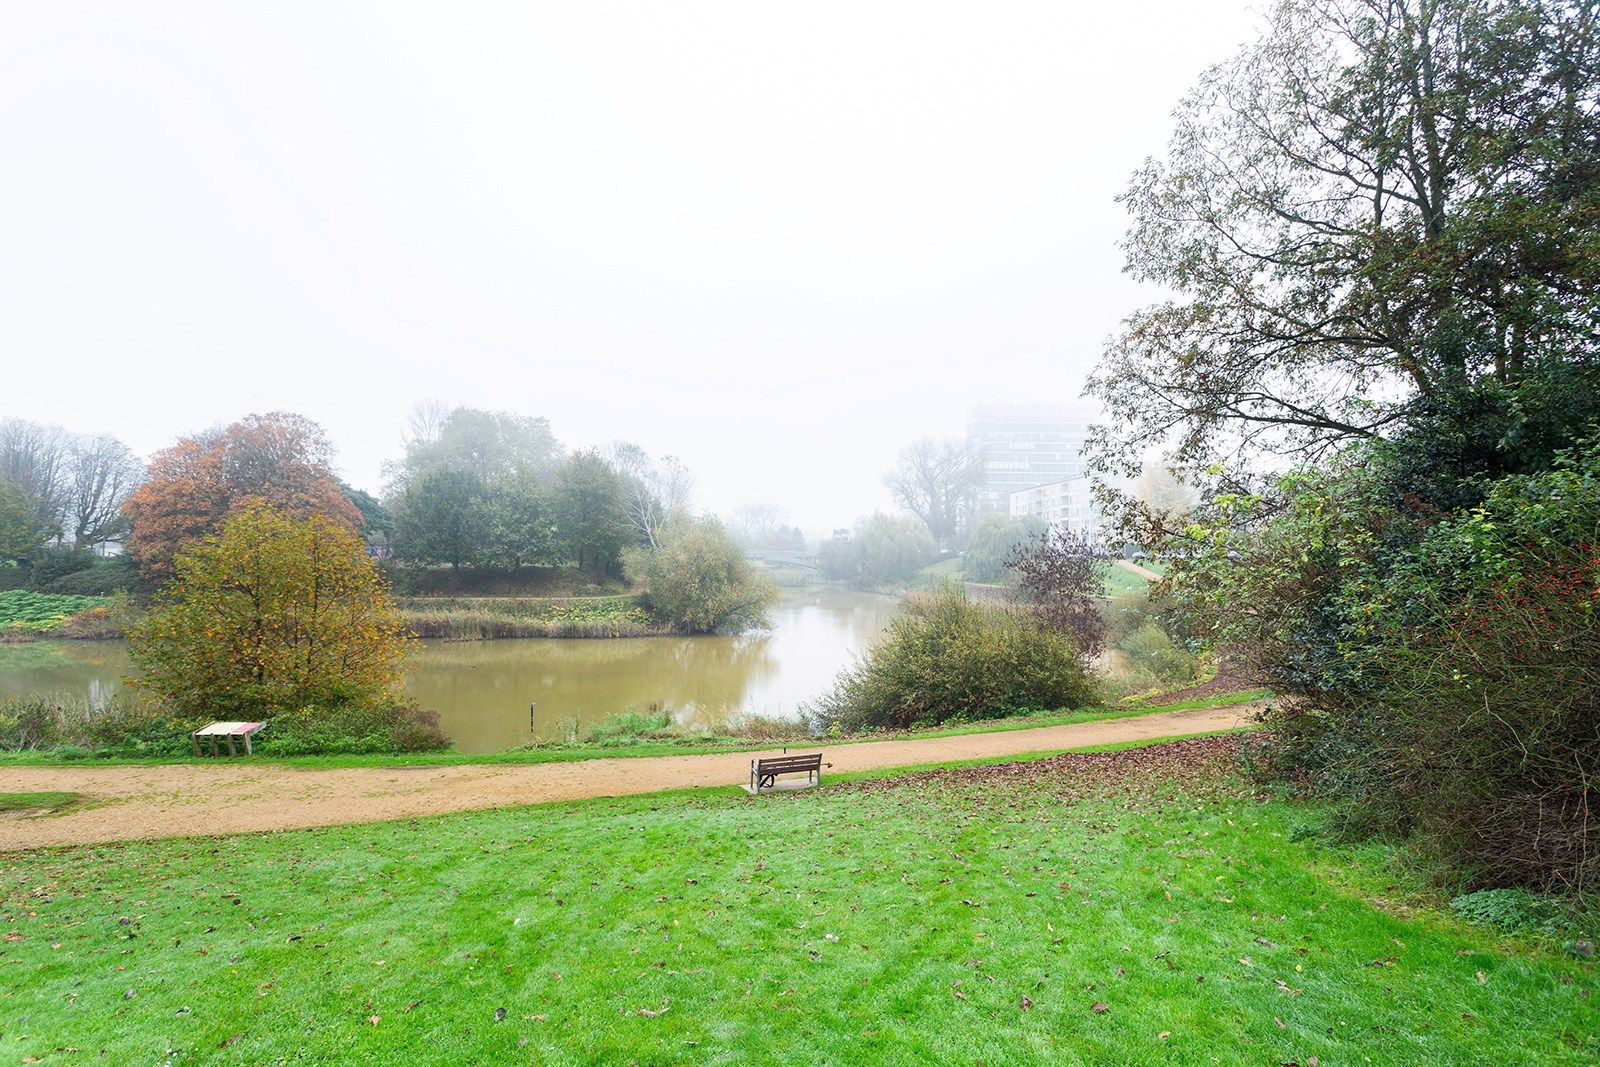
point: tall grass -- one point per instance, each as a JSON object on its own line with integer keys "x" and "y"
{"x": 492, "y": 618}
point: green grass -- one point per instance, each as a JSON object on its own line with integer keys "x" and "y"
{"x": 639, "y": 744}
{"x": 939, "y": 921}
{"x": 52, "y": 802}
{"x": 1122, "y": 582}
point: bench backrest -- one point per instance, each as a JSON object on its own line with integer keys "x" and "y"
{"x": 789, "y": 764}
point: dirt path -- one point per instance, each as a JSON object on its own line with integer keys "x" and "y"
{"x": 177, "y": 799}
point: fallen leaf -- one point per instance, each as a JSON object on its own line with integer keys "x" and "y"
{"x": 1163, "y": 1035}
{"x": 1100, "y": 1007}
{"x": 374, "y": 1019}
{"x": 1026, "y": 1003}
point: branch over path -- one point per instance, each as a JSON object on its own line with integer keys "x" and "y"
{"x": 168, "y": 800}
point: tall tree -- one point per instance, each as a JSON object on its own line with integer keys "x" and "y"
{"x": 280, "y": 458}
{"x": 1378, "y": 207}
{"x": 522, "y": 525}
{"x": 490, "y": 444}
{"x": 589, "y": 510}
{"x": 935, "y": 480}
{"x": 101, "y": 472}
{"x": 444, "y": 518}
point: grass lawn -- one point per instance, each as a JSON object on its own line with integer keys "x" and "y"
{"x": 1122, "y": 582}
{"x": 1137, "y": 907}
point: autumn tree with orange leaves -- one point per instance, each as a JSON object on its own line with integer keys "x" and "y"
{"x": 276, "y": 613}
{"x": 279, "y": 458}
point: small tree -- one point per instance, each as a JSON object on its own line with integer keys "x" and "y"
{"x": 275, "y": 613}
{"x": 698, "y": 580}
{"x": 1062, "y": 575}
{"x": 21, "y": 530}
{"x": 589, "y": 512}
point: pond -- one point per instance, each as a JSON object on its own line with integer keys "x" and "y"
{"x": 482, "y": 689}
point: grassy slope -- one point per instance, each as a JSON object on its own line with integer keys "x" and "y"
{"x": 641, "y": 747}
{"x": 901, "y": 925}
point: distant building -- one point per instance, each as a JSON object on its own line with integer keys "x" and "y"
{"x": 1020, "y": 448}
{"x": 1067, "y": 504}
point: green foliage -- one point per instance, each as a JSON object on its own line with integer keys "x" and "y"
{"x": 1441, "y": 668}
{"x": 352, "y": 728}
{"x": 443, "y": 518}
{"x": 377, "y": 522}
{"x": 1151, "y": 651}
{"x": 698, "y": 581}
{"x": 994, "y": 540}
{"x": 522, "y": 527}
{"x": 884, "y": 552}
{"x": 589, "y": 512}
{"x": 105, "y": 577}
{"x": 945, "y": 658}
{"x": 1515, "y": 911}
{"x": 41, "y": 612}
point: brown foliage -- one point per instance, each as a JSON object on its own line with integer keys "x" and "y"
{"x": 278, "y": 458}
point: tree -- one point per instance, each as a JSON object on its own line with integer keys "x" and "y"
{"x": 698, "y": 581}
{"x": 377, "y": 521}
{"x": 1062, "y": 576}
{"x": 653, "y": 494}
{"x": 1381, "y": 210}
{"x": 590, "y": 512}
{"x": 935, "y": 480}
{"x": 444, "y": 518}
{"x": 994, "y": 541}
{"x": 21, "y": 532}
{"x": 282, "y": 459}
{"x": 490, "y": 444}
{"x": 885, "y": 551}
{"x": 765, "y": 526}
{"x": 101, "y": 473}
{"x": 522, "y": 529}
{"x": 275, "y": 613}
{"x": 33, "y": 458}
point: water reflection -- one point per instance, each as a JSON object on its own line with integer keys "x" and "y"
{"x": 482, "y": 689}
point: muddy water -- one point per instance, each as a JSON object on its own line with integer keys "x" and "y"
{"x": 483, "y": 689}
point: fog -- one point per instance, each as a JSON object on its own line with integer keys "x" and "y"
{"x": 778, "y": 242}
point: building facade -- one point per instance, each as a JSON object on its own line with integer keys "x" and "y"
{"x": 1019, "y": 449}
{"x": 1067, "y": 504}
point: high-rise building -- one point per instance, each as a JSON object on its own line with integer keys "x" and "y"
{"x": 1019, "y": 448}
{"x": 1068, "y": 505}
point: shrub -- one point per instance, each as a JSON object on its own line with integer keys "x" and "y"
{"x": 41, "y": 612}
{"x": 1150, "y": 651}
{"x": 1061, "y": 575}
{"x": 388, "y": 726}
{"x": 1516, "y": 911}
{"x": 698, "y": 581}
{"x": 946, "y": 658}
{"x": 1441, "y": 671}
{"x": 105, "y": 578}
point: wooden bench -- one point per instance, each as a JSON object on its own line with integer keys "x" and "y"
{"x": 764, "y": 772}
{"x": 229, "y": 731}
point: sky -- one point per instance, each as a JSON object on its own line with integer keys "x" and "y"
{"x": 779, "y": 241}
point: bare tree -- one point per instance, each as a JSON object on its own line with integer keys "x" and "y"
{"x": 759, "y": 525}
{"x": 654, "y": 493}
{"x": 33, "y": 457}
{"x": 935, "y": 479}
{"x": 100, "y": 473}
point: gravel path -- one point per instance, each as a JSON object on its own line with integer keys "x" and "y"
{"x": 239, "y": 797}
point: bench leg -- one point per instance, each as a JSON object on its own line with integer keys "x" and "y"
{"x": 247, "y": 750}
{"x": 195, "y": 742}
{"x": 231, "y": 750}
